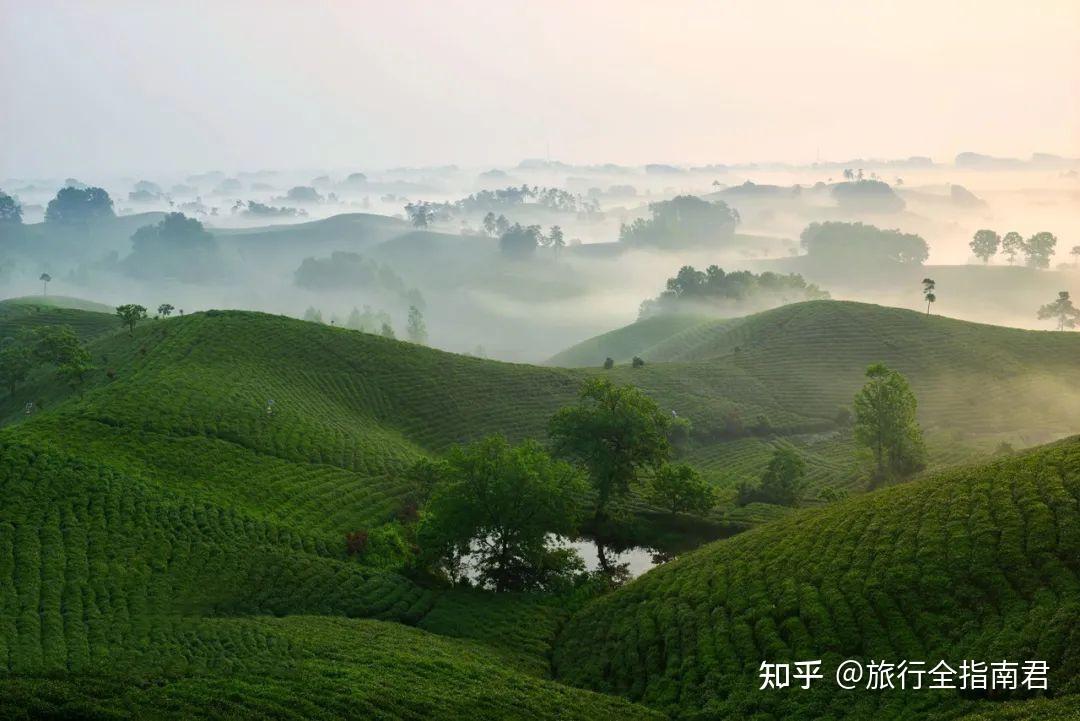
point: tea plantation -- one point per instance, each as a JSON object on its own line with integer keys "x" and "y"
{"x": 172, "y": 530}
{"x": 976, "y": 563}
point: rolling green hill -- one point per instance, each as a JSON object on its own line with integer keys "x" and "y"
{"x": 172, "y": 542}
{"x": 59, "y": 301}
{"x": 89, "y": 320}
{"x": 976, "y": 563}
{"x": 153, "y": 524}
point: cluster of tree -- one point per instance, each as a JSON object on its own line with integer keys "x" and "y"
{"x": 520, "y": 241}
{"x": 177, "y": 247}
{"x": 376, "y": 322}
{"x": 1037, "y": 250}
{"x": 505, "y": 198}
{"x": 252, "y": 208}
{"x": 1062, "y": 310}
{"x": 862, "y": 245}
{"x": 500, "y": 505}
{"x": 78, "y": 206}
{"x": 867, "y": 195}
{"x": 344, "y": 270}
{"x": 57, "y": 346}
{"x": 422, "y": 214}
{"x": 693, "y": 290}
{"x": 304, "y": 194}
{"x": 685, "y": 220}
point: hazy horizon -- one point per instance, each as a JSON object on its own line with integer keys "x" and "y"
{"x": 128, "y": 88}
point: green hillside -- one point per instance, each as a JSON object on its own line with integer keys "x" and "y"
{"x": 622, "y": 344}
{"x": 976, "y": 563}
{"x": 152, "y": 524}
{"x": 168, "y": 528}
{"x": 89, "y": 320}
{"x": 59, "y": 301}
{"x": 361, "y": 406}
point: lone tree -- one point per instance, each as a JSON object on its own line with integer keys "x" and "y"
{"x": 1039, "y": 248}
{"x": 387, "y": 330}
{"x": 131, "y": 314}
{"x": 1063, "y": 310}
{"x": 501, "y": 504}
{"x": 1012, "y": 245}
{"x": 928, "y": 288}
{"x": 165, "y": 310}
{"x": 45, "y": 279}
{"x": 782, "y": 483}
{"x": 681, "y": 489}
{"x": 614, "y": 432}
{"x": 75, "y": 206}
{"x": 1075, "y": 252}
{"x": 885, "y": 423}
{"x": 416, "y": 329}
{"x": 985, "y": 244}
{"x": 555, "y": 239}
{"x": 489, "y": 224}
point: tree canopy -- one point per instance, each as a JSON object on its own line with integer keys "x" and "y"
{"x": 614, "y": 432}
{"x": 683, "y": 221}
{"x": 867, "y": 195}
{"x": 1062, "y": 310}
{"x": 500, "y": 504}
{"x": 74, "y": 206}
{"x": 10, "y": 210}
{"x": 176, "y": 247}
{"x": 680, "y": 489}
{"x": 985, "y": 244}
{"x": 712, "y": 289}
{"x": 1039, "y": 248}
{"x": 860, "y": 244}
{"x": 885, "y": 423}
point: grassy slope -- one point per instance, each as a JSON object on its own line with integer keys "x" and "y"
{"x": 980, "y": 562}
{"x": 168, "y": 495}
{"x": 88, "y": 322}
{"x": 976, "y": 384}
{"x": 360, "y": 406}
{"x": 58, "y": 301}
{"x": 147, "y": 505}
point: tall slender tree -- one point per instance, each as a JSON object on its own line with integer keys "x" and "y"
{"x": 928, "y": 290}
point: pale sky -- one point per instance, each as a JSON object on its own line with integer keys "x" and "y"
{"x": 142, "y": 87}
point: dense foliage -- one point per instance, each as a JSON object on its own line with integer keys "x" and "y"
{"x": 695, "y": 291}
{"x": 498, "y": 505}
{"x": 885, "y": 422}
{"x": 858, "y": 245}
{"x": 683, "y": 221}
{"x": 176, "y": 247}
{"x": 77, "y": 206}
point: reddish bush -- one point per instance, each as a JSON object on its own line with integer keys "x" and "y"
{"x": 356, "y": 542}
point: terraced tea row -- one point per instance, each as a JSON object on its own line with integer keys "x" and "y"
{"x": 978, "y": 563}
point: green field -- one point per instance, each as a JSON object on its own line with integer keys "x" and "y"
{"x": 976, "y": 563}
{"x": 172, "y": 543}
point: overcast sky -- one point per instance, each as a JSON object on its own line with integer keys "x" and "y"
{"x": 133, "y": 87}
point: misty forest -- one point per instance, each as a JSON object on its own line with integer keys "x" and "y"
{"x": 534, "y": 438}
